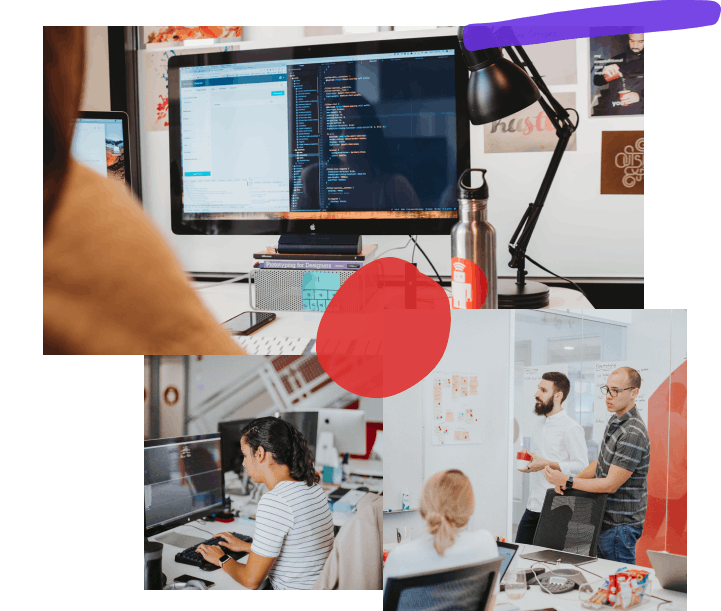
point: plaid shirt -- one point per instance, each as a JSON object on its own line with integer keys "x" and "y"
{"x": 626, "y": 444}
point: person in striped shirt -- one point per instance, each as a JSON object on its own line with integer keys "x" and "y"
{"x": 620, "y": 470}
{"x": 293, "y": 526}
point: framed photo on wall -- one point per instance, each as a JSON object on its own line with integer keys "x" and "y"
{"x": 617, "y": 75}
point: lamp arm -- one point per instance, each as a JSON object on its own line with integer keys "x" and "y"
{"x": 530, "y": 218}
{"x": 560, "y": 119}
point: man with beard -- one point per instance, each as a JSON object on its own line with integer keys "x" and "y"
{"x": 620, "y": 470}
{"x": 560, "y": 444}
{"x": 624, "y": 77}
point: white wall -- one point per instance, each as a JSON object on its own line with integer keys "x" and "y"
{"x": 96, "y": 89}
{"x": 476, "y": 344}
{"x": 578, "y": 233}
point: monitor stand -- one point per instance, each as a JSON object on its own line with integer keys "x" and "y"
{"x": 319, "y": 244}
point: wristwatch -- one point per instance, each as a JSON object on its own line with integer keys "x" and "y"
{"x": 569, "y": 483}
{"x": 223, "y": 559}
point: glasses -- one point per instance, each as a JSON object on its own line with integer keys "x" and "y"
{"x": 613, "y": 392}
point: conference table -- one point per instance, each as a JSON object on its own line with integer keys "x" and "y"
{"x": 536, "y": 599}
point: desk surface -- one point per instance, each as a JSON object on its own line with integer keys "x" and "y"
{"x": 536, "y": 598}
{"x": 228, "y": 300}
{"x": 222, "y": 580}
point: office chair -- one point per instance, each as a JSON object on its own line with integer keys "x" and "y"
{"x": 465, "y": 588}
{"x": 571, "y": 522}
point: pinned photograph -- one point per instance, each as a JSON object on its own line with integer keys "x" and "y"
{"x": 617, "y": 75}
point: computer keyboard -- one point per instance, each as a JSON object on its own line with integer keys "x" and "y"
{"x": 194, "y": 558}
{"x": 272, "y": 345}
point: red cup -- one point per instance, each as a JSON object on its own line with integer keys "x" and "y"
{"x": 523, "y": 459}
{"x": 612, "y": 77}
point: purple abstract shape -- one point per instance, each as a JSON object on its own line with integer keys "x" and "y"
{"x": 636, "y": 18}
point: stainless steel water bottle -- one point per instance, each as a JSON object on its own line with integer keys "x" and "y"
{"x": 473, "y": 250}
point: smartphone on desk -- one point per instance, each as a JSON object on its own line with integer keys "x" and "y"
{"x": 248, "y": 322}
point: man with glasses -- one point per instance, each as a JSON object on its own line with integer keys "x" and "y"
{"x": 619, "y": 471}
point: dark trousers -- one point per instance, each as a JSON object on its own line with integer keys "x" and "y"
{"x": 527, "y": 527}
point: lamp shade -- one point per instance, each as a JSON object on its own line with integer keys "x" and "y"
{"x": 498, "y": 90}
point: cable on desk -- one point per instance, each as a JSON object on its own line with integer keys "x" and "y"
{"x": 229, "y": 281}
{"x": 396, "y": 248}
{"x": 440, "y": 282}
{"x": 205, "y": 531}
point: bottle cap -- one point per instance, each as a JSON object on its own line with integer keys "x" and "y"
{"x": 466, "y": 192}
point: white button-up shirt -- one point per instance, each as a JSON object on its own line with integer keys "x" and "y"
{"x": 560, "y": 439}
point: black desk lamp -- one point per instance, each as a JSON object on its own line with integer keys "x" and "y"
{"x": 498, "y": 88}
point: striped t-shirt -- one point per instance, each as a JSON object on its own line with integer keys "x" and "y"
{"x": 627, "y": 445}
{"x": 294, "y": 525}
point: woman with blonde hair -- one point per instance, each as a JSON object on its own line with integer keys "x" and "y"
{"x": 447, "y": 505}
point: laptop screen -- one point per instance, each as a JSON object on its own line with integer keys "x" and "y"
{"x": 99, "y": 144}
{"x": 507, "y": 551}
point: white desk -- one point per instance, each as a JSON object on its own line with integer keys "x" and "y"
{"x": 229, "y": 300}
{"x": 537, "y": 599}
{"x": 222, "y": 580}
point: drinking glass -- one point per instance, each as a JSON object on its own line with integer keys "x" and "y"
{"x": 515, "y": 583}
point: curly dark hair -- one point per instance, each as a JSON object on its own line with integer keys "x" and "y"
{"x": 287, "y": 445}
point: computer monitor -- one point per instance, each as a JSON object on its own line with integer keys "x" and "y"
{"x": 307, "y": 424}
{"x": 183, "y": 481}
{"x": 348, "y": 427}
{"x": 230, "y": 444}
{"x": 352, "y": 138}
{"x": 100, "y": 143}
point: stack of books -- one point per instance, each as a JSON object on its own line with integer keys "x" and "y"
{"x": 270, "y": 259}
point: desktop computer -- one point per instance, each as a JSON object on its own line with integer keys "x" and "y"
{"x": 183, "y": 481}
{"x": 307, "y": 424}
{"x": 366, "y": 137}
{"x": 232, "y": 457}
{"x": 348, "y": 428}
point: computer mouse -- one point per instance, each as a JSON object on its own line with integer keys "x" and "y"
{"x": 362, "y": 489}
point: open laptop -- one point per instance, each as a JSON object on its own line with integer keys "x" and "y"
{"x": 670, "y": 570}
{"x": 100, "y": 142}
{"x": 506, "y": 551}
